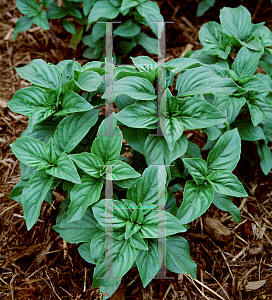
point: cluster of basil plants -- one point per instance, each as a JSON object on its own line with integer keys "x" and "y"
{"x": 133, "y": 14}
{"x": 69, "y": 145}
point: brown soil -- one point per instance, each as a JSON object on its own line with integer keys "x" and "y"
{"x": 38, "y": 264}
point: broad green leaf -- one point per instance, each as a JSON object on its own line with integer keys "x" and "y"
{"x": 246, "y": 62}
{"x": 98, "y": 245}
{"x": 196, "y": 200}
{"x": 235, "y": 21}
{"x": 202, "y": 80}
{"x": 151, "y": 45}
{"x": 89, "y": 163}
{"x": 141, "y": 114}
{"x": 149, "y": 262}
{"x": 147, "y": 189}
{"x": 224, "y": 182}
{"x": 16, "y": 192}
{"x": 133, "y": 86}
{"x": 136, "y": 241}
{"x": 178, "y": 257}
{"x": 171, "y": 205}
{"x": 116, "y": 264}
{"x": 172, "y": 129}
{"x": 265, "y": 157}
{"x": 159, "y": 223}
{"x": 131, "y": 229}
{"x": 103, "y": 9}
{"x": 41, "y": 74}
{"x": 33, "y": 196}
{"x": 213, "y": 132}
{"x": 197, "y": 168}
{"x": 108, "y": 143}
{"x": 29, "y": 151}
{"x": 156, "y": 147}
{"x": 226, "y": 152}
{"x": 24, "y": 23}
{"x": 111, "y": 214}
{"x": 137, "y": 215}
{"x": 26, "y": 100}
{"x": 71, "y": 103}
{"x": 144, "y": 63}
{"x": 256, "y": 113}
{"x": 64, "y": 169}
{"x": 203, "y": 6}
{"x": 85, "y": 252}
{"x": 213, "y": 40}
{"x": 65, "y": 66}
{"x": 108, "y": 291}
{"x": 127, "y": 29}
{"x": 249, "y": 132}
{"x": 136, "y": 138}
{"x": 151, "y": 12}
{"x": 28, "y": 7}
{"x": 230, "y": 106}
{"x": 82, "y": 196}
{"x": 128, "y": 4}
{"x": 119, "y": 170}
{"x": 56, "y": 12}
{"x": 253, "y": 83}
{"x": 193, "y": 150}
{"x": 69, "y": 26}
{"x": 72, "y": 129}
{"x": 180, "y": 64}
{"x": 78, "y": 231}
{"x": 39, "y": 115}
{"x": 224, "y": 203}
{"x": 89, "y": 81}
{"x": 196, "y": 113}
{"x": 41, "y": 20}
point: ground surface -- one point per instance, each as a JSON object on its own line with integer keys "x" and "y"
{"x": 38, "y": 264}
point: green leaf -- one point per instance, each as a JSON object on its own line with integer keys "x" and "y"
{"x": 203, "y": 80}
{"x": 127, "y": 29}
{"x": 41, "y": 74}
{"x": 156, "y": 147}
{"x": 131, "y": 229}
{"x": 265, "y": 157}
{"x": 224, "y": 182}
{"x": 29, "y": 151}
{"x": 82, "y": 196}
{"x": 178, "y": 257}
{"x": 253, "y": 83}
{"x": 108, "y": 143}
{"x": 204, "y": 6}
{"x": 108, "y": 291}
{"x": 28, "y": 7}
{"x": 98, "y": 245}
{"x": 103, "y": 9}
{"x": 246, "y": 62}
{"x": 119, "y": 260}
{"x": 89, "y": 81}
{"x": 27, "y": 100}
{"x": 136, "y": 138}
{"x": 85, "y": 252}
{"x": 196, "y": 113}
{"x": 144, "y": 63}
{"x": 249, "y": 132}
{"x": 224, "y": 203}
{"x": 22, "y": 24}
{"x": 56, "y": 12}
{"x": 151, "y": 12}
{"x": 39, "y": 115}
{"x": 171, "y": 205}
{"x": 196, "y": 200}
{"x": 159, "y": 223}
{"x": 72, "y": 129}
{"x": 193, "y": 150}
{"x": 133, "y": 86}
{"x": 151, "y": 45}
{"x": 69, "y": 26}
{"x": 41, "y": 20}
{"x": 128, "y": 4}
{"x": 226, "y": 152}
{"x": 71, "y": 103}
{"x": 89, "y": 163}
{"x": 235, "y": 21}
{"x": 136, "y": 241}
{"x": 64, "y": 169}
{"x": 16, "y": 192}
{"x": 111, "y": 214}
{"x": 78, "y": 231}
{"x": 147, "y": 189}
{"x": 33, "y": 196}
{"x": 67, "y": 69}
{"x": 230, "y": 106}
{"x": 197, "y": 168}
{"x": 149, "y": 262}
{"x": 141, "y": 114}
{"x": 256, "y": 113}
{"x": 119, "y": 170}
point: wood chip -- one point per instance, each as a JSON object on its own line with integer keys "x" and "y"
{"x": 3, "y": 104}
{"x": 254, "y": 285}
{"x": 217, "y": 230}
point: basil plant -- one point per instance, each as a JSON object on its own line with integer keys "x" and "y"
{"x": 69, "y": 145}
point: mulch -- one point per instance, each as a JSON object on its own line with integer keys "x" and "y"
{"x": 234, "y": 259}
